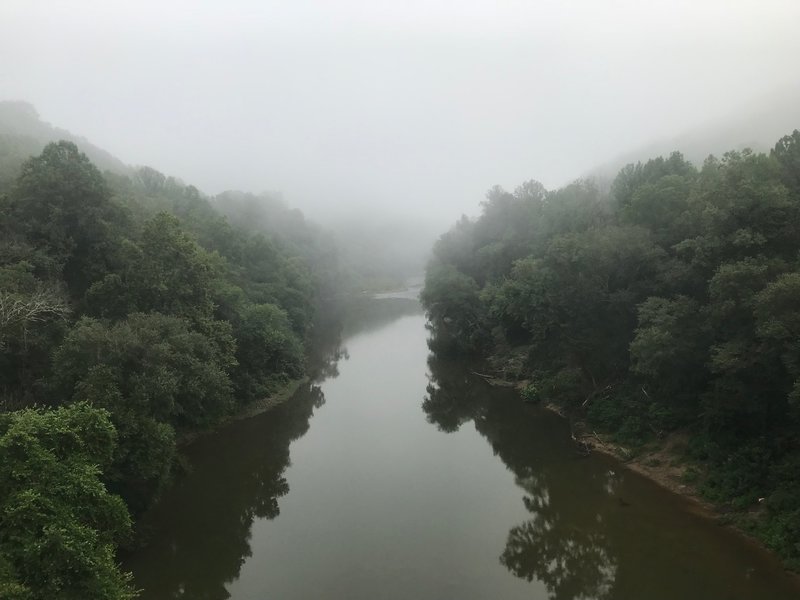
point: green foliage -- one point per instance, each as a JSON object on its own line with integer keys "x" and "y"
{"x": 777, "y": 322}
{"x": 164, "y": 367}
{"x": 58, "y": 524}
{"x": 166, "y": 272}
{"x": 564, "y": 386}
{"x": 670, "y": 349}
{"x": 530, "y": 393}
{"x": 787, "y": 154}
{"x": 634, "y": 179}
{"x": 670, "y": 302}
{"x": 268, "y": 351}
{"x": 154, "y": 374}
{"x": 63, "y": 206}
{"x": 455, "y": 308}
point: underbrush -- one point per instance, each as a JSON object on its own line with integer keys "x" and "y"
{"x": 761, "y": 488}
{"x": 630, "y": 417}
{"x": 755, "y": 483}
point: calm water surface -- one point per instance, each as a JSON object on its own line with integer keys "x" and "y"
{"x": 399, "y": 475}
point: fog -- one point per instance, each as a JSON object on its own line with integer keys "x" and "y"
{"x": 405, "y": 109}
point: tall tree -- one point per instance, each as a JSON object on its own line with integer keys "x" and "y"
{"x": 58, "y": 524}
{"x": 63, "y": 206}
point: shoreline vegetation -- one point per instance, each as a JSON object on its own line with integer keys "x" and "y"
{"x": 660, "y": 313}
{"x": 252, "y": 409}
{"x": 659, "y": 461}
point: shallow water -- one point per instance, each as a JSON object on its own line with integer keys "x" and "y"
{"x": 400, "y": 475}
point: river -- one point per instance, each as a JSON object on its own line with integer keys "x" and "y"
{"x": 398, "y": 475}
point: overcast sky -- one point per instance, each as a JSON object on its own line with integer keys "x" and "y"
{"x": 411, "y": 106}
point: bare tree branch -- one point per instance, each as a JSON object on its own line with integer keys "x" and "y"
{"x": 44, "y": 304}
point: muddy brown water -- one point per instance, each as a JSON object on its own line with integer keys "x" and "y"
{"x": 399, "y": 475}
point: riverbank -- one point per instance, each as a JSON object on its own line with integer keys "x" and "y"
{"x": 259, "y": 406}
{"x": 249, "y": 410}
{"x": 661, "y": 461}
{"x": 664, "y": 461}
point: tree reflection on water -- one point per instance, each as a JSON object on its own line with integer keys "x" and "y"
{"x": 565, "y": 544}
{"x": 201, "y": 529}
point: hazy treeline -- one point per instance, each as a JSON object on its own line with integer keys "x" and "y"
{"x": 131, "y": 312}
{"x": 23, "y": 134}
{"x": 365, "y": 249}
{"x": 670, "y": 302}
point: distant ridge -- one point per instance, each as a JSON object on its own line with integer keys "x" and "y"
{"x": 757, "y": 128}
{"x": 24, "y": 134}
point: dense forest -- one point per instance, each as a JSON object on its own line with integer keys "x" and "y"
{"x": 133, "y": 312}
{"x": 669, "y": 303}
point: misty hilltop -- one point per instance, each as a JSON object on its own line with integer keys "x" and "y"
{"x": 755, "y": 127}
{"x": 23, "y": 133}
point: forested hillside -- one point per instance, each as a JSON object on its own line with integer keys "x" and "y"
{"x": 132, "y": 312}
{"x": 670, "y": 303}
